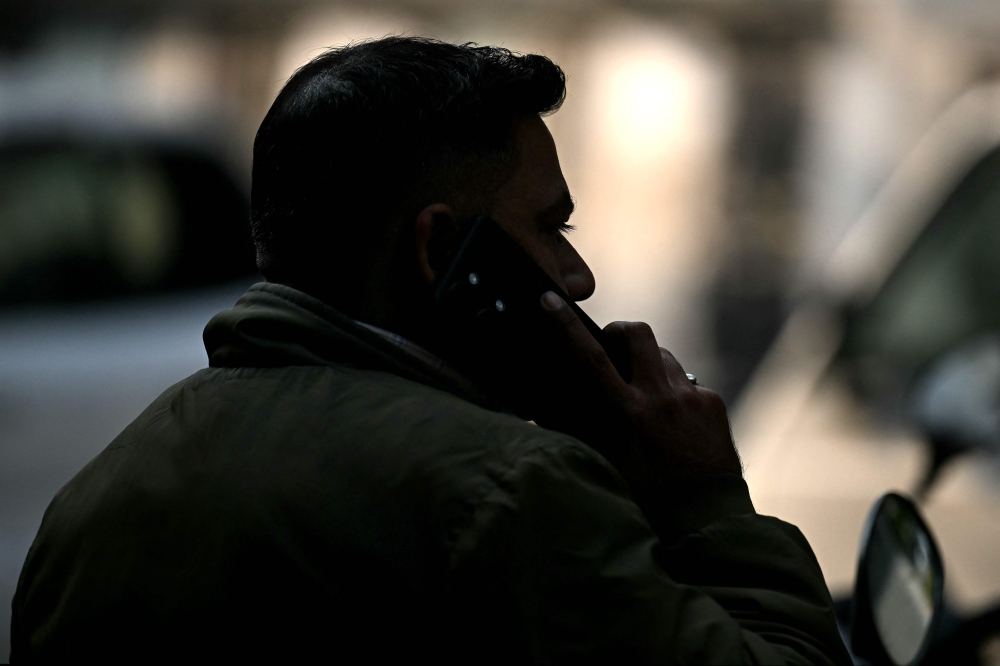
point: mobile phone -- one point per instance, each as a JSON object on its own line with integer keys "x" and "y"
{"x": 490, "y": 299}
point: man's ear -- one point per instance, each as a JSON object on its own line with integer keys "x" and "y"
{"x": 435, "y": 229}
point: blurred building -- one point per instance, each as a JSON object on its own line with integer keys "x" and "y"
{"x": 718, "y": 150}
{"x": 741, "y": 138}
{"x": 678, "y": 137}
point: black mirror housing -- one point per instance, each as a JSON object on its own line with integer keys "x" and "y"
{"x": 899, "y": 589}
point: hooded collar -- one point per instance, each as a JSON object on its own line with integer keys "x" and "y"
{"x": 273, "y": 325}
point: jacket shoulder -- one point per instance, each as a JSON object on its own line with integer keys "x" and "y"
{"x": 337, "y": 403}
{"x": 331, "y": 436}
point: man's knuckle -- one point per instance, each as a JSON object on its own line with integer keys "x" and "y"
{"x": 713, "y": 399}
{"x": 690, "y": 399}
{"x": 712, "y": 402}
{"x": 640, "y": 330}
{"x": 594, "y": 354}
{"x": 668, "y": 400}
{"x": 616, "y": 327}
{"x": 566, "y": 316}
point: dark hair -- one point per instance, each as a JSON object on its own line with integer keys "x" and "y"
{"x": 366, "y": 135}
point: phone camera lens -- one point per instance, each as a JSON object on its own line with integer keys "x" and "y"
{"x": 473, "y": 278}
{"x": 500, "y": 306}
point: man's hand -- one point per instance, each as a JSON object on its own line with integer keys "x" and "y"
{"x": 675, "y": 426}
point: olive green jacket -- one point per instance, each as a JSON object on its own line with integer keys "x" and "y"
{"x": 319, "y": 493}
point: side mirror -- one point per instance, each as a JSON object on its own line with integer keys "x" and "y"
{"x": 899, "y": 589}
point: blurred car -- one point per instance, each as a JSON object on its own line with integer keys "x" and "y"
{"x": 887, "y": 374}
{"x": 118, "y": 242}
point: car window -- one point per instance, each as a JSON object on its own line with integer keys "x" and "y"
{"x": 81, "y": 222}
{"x": 944, "y": 292}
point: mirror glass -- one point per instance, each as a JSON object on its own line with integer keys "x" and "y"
{"x": 903, "y": 578}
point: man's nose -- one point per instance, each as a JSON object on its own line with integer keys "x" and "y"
{"x": 579, "y": 281}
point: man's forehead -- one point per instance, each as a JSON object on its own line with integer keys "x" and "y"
{"x": 533, "y": 135}
{"x": 539, "y": 163}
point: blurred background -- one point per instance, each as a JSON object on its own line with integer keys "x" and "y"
{"x": 798, "y": 195}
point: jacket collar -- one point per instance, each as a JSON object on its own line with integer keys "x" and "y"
{"x": 273, "y": 325}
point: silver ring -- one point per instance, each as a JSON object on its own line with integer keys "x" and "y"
{"x": 692, "y": 378}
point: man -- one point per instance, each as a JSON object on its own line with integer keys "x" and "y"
{"x": 329, "y": 487}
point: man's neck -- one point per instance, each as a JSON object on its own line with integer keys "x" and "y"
{"x": 427, "y": 358}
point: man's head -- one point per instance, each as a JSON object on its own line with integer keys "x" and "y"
{"x": 373, "y": 154}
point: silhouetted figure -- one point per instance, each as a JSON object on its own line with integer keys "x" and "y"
{"x": 332, "y": 486}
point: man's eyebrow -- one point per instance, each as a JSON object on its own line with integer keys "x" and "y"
{"x": 563, "y": 206}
